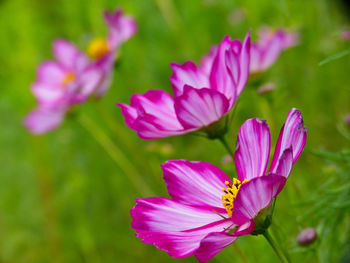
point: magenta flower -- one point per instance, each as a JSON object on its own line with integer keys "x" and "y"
{"x": 271, "y": 43}
{"x": 104, "y": 51}
{"x": 61, "y": 83}
{"x": 202, "y": 95}
{"x": 207, "y": 211}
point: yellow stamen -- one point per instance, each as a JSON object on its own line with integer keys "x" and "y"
{"x": 98, "y": 48}
{"x": 68, "y": 79}
{"x": 230, "y": 194}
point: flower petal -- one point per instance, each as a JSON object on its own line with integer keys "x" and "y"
{"x": 42, "y": 120}
{"x": 255, "y": 58}
{"x": 293, "y": 134}
{"x": 187, "y": 74}
{"x": 129, "y": 113}
{"x": 197, "y": 108}
{"x": 256, "y": 195}
{"x": 212, "y": 244}
{"x": 285, "y": 163}
{"x": 147, "y": 130}
{"x": 160, "y": 106}
{"x": 66, "y": 53}
{"x": 121, "y": 28}
{"x": 220, "y": 78}
{"x": 88, "y": 82}
{"x": 252, "y": 149}
{"x": 237, "y": 61}
{"x": 174, "y": 227}
{"x": 272, "y": 50}
{"x": 51, "y": 72}
{"x": 47, "y": 92}
{"x": 195, "y": 183}
{"x": 215, "y": 242}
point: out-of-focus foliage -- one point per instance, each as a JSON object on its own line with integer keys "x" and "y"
{"x": 62, "y": 196}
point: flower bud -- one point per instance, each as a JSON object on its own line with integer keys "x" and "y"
{"x": 345, "y": 35}
{"x": 226, "y": 159}
{"x": 266, "y": 88}
{"x": 307, "y": 236}
{"x": 347, "y": 119}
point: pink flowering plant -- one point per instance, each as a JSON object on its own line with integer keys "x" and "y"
{"x": 203, "y": 95}
{"x": 207, "y": 210}
{"x": 72, "y": 77}
{"x": 268, "y": 48}
{"x": 104, "y": 51}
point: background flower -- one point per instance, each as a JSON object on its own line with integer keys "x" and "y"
{"x": 269, "y": 46}
{"x": 202, "y": 95}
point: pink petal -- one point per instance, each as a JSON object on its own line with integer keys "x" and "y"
{"x": 285, "y": 163}
{"x": 272, "y": 50}
{"x": 290, "y": 39}
{"x": 152, "y": 115}
{"x": 197, "y": 108}
{"x": 66, "y": 53}
{"x": 245, "y": 229}
{"x": 237, "y": 61}
{"x": 121, "y": 28}
{"x": 252, "y": 149}
{"x": 187, "y": 74}
{"x": 256, "y": 195}
{"x": 212, "y": 244}
{"x": 51, "y": 72}
{"x": 158, "y": 105}
{"x": 43, "y": 120}
{"x": 129, "y": 113}
{"x": 220, "y": 78}
{"x": 196, "y": 183}
{"x": 105, "y": 83}
{"x": 88, "y": 82}
{"x": 215, "y": 242}
{"x": 174, "y": 227}
{"x": 255, "y": 58}
{"x": 47, "y": 92}
{"x": 163, "y": 214}
{"x": 293, "y": 134}
{"x": 147, "y": 129}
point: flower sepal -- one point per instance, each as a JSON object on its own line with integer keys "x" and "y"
{"x": 216, "y": 129}
{"x": 262, "y": 221}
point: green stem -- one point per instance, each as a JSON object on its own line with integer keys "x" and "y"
{"x": 123, "y": 137}
{"x": 113, "y": 151}
{"x": 279, "y": 252}
{"x": 227, "y": 147}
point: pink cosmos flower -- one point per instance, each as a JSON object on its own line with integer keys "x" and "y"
{"x": 202, "y": 95}
{"x": 207, "y": 211}
{"x": 61, "y": 83}
{"x": 104, "y": 51}
{"x": 271, "y": 43}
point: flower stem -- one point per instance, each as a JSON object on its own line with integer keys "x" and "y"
{"x": 117, "y": 155}
{"x": 279, "y": 252}
{"x": 227, "y": 147}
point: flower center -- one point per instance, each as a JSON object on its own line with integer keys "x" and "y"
{"x": 68, "y": 79}
{"x": 231, "y": 193}
{"x": 98, "y": 48}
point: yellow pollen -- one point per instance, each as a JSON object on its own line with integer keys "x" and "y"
{"x": 97, "y": 48}
{"x": 231, "y": 193}
{"x": 68, "y": 79}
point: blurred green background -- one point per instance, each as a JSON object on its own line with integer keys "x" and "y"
{"x": 64, "y": 199}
